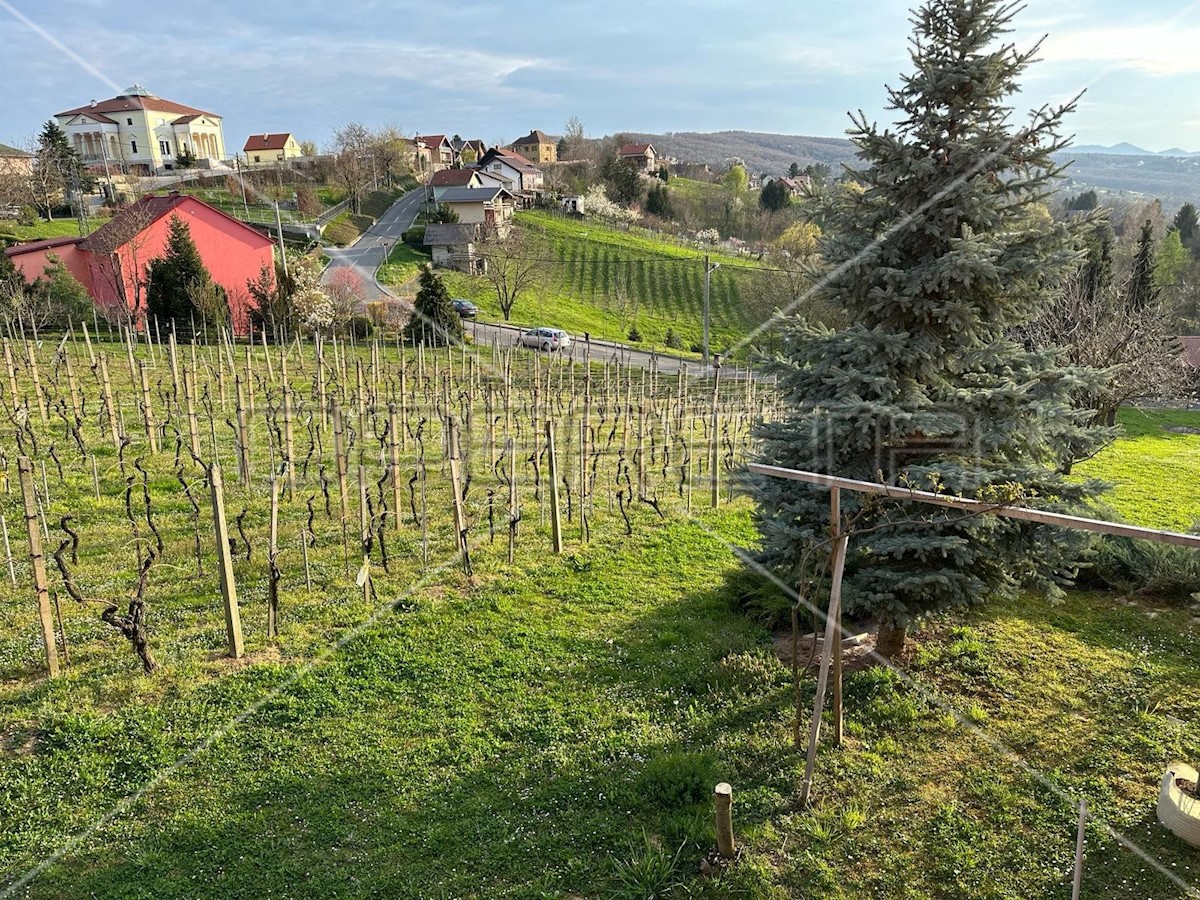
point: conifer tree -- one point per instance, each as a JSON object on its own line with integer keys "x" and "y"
{"x": 1142, "y": 290}
{"x": 943, "y": 253}
{"x": 434, "y": 321}
{"x": 177, "y": 278}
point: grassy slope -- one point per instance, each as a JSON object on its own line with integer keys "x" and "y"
{"x": 1154, "y": 471}
{"x": 514, "y": 735}
{"x": 403, "y": 264}
{"x": 43, "y": 229}
{"x": 590, "y": 267}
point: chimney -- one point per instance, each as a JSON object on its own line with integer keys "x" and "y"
{"x": 93, "y": 104}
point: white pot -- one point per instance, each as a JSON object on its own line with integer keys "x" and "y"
{"x": 1177, "y": 810}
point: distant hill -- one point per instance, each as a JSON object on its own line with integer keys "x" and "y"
{"x": 1172, "y": 175}
{"x": 770, "y": 153}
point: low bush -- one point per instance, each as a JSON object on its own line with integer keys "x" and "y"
{"x": 1126, "y": 564}
{"x": 635, "y": 336}
{"x": 677, "y": 779}
{"x": 673, "y": 340}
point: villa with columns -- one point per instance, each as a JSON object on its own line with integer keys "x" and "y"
{"x": 143, "y": 134}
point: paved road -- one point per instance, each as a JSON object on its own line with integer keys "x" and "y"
{"x": 369, "y": 252}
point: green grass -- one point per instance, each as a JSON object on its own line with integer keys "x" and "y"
{"x": 1153, "y": 470}
{"x": 403, "y": 264}
{"x": 44, "y": 230}
{"x": 551, "y": 727}
{"x": 347, "y": 227}
{"x": 604, "y": 281}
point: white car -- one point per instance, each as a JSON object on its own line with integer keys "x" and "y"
{"x": 545, "y": 339}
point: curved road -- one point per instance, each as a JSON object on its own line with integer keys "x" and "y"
{"x": 369, "y": 252}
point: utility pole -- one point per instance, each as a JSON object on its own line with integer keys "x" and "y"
{"x": 708, "y": 270}
{"x": 237, "y": 166}
{"x": 279, "y": 228}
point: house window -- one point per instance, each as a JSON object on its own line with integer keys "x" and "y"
{"x": 164, "y": 147}
{"x": 133, "y": 145}
{"x": 256, "y": 159}
{"x": 129, "y": 121}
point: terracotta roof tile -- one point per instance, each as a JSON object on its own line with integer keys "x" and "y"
{"x": 266, "y": 142}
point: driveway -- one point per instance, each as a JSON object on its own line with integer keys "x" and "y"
{"x": 370, "y": 251}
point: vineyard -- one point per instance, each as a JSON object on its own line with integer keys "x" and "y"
{"x": 606, "y": 282}
{"x": 179, "y": 513}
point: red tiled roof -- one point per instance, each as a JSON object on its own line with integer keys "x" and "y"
{"x": 135, "y": 219}
{"x": 266, "y": 141}
{"x": 34, "y": 246}
{"x": 452, "y": 177}
{"x": 431, "y": 140}
{"x": 635, "y": 149}
{"x": 534, "y": 137}
{"x": 92, "y": 114}
{"x": 1191, "y": 350}
{"x": 126, "y": 103}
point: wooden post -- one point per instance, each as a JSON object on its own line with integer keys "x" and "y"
{"x": 289, "y": 444}
{"x": 556, "y": 539}
{"x": 364, "y": 533}
{"x": 339, "y": 453}
{"x": 514, "y": 509}
{"x": 272, "y": 554}
{"x": 831, "y": 619}
{"x": 460, "y": 515}
{"x": 394, "y": 461}
{"x": 715, "y": 457}
{"x": 723, "y": 800}
{"x": 87, "y": 339}
{"x": 835, "y": 521}
{"x": 189, "y": 396}
{"x": 109, "y": 406}
{"x": 37, "y": 563}
{"x": 12, "y": 572}
{"x": 38, "y": 394}
{"x": 148, "y": 410}
{"x": 1080, "y": 838}
{"x": 233, "y": 617}
{"x": 243, "y": 434}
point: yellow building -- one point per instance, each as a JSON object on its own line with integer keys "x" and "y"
{"x": 266, "y": 149}
{"x": 538, "y": 147}
{"x": 142, "y": 133}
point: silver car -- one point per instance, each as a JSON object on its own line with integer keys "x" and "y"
{"x": 545, "y": 339}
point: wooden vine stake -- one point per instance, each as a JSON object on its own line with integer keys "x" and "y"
{"x": 233, "y": 617}
{"x": 723, "y": 800}
{"x": 556, "y": 537}
{"x": 460, "y": 516}
{"x": 272, "y": 560}
{"x": 835, "y": 522}
{"x": 38, "y": 564}
{"x": 714, "y": 439}
{"x": 832, "y": 639}
{"x": 339, "y": 453}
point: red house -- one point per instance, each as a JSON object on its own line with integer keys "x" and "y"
{"x": 111, "y": 263}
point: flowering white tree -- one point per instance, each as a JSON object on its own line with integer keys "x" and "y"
{"x": 597, "y": 205}
{"x": 314, "y": 309}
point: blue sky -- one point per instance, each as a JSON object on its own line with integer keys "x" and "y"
{"x": 496, "y": 70}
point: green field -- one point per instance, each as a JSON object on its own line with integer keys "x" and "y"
{"x": 550, "y": 728}
{"x": 605, "y": 281}
{"x": 1153, "y": 470}
{"x": 55, "y": 228}
{"x": 403, "y": 265}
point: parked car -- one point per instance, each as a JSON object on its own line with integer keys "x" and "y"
{"x": 545, "y": 339}
{"x": 465, "y": 308}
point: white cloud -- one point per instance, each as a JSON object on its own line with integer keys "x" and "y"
{"x": 1162, "y": 49}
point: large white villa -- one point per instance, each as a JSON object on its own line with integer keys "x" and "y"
{"x": 142, "y": 133}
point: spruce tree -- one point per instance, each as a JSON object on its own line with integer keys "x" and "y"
{"x": 944, "y": 252}
{"x": 434, "y": 321}
{"x": 1142, "y": 290}
{"x": 178, "y": 278}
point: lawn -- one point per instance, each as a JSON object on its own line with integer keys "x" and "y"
{"x": 43, "y": 230}
{"x": 1153, "y": 469}
{"x": 403, "y": 264}
{"x": 551, "y": 727}
{"x": 606, "y": 281}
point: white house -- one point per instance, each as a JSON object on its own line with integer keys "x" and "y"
{"x": 491, "y": 207}
{"x": 142, "y": 132}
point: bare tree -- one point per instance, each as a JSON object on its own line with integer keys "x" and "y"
{"x": 120, "y": 248}
{"x": 1099, "y": 329}
{"x": 509, "y": 266}
{"x": 354, "y": 161}
{"x": 393, "y": 153}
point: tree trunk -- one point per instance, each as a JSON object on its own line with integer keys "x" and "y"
{"x": 890, "y": 642}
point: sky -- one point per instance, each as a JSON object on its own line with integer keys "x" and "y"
{"x": 498, "y": 70}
